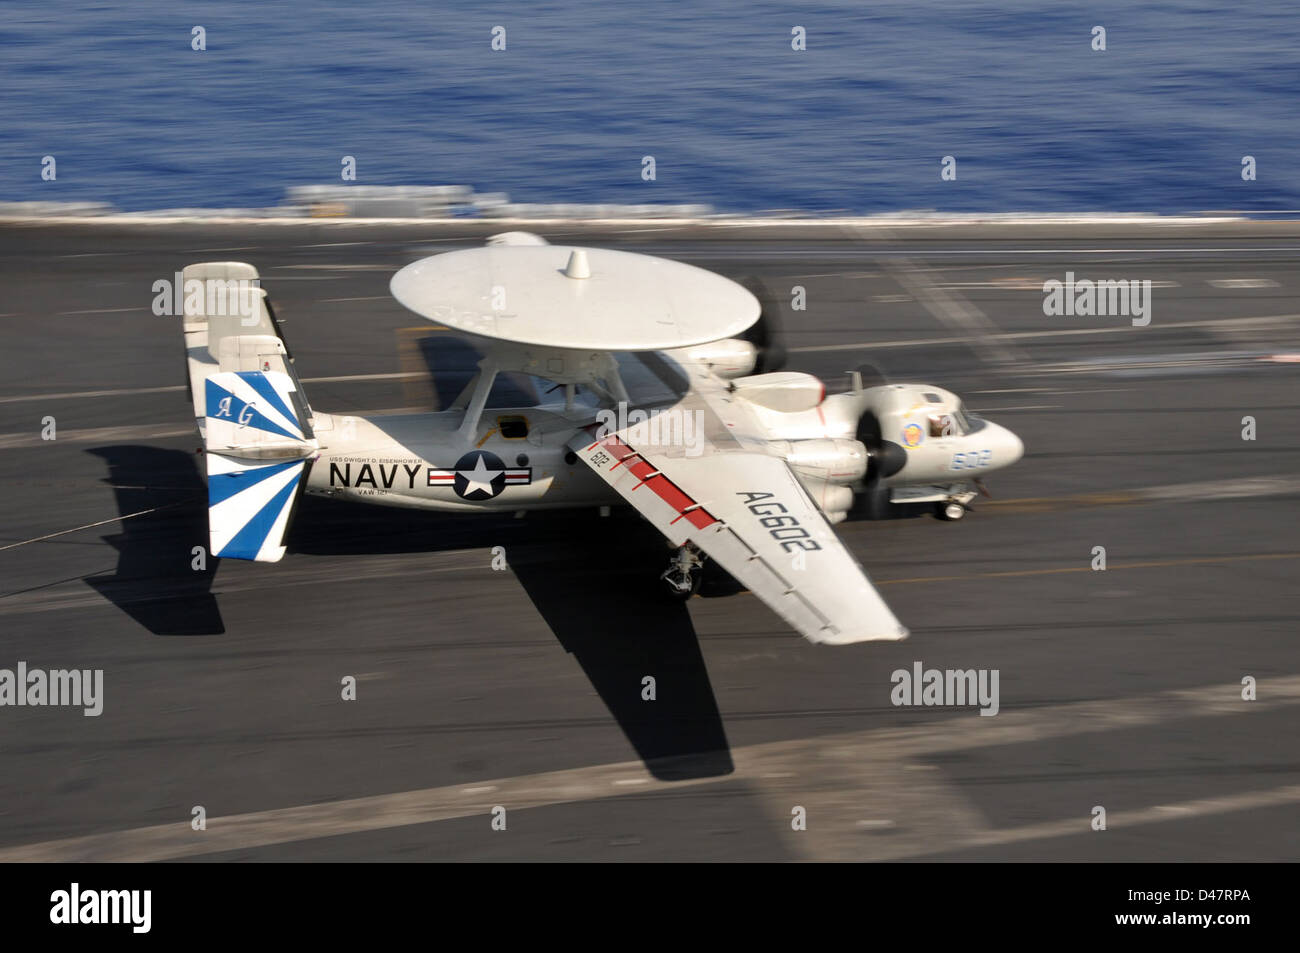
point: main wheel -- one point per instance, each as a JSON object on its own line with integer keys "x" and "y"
{"x": 678, "y": 586}
{"x": 951, "y": 511}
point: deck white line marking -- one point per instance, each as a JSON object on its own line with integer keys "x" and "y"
{"x": 104, "y": 310}
{"x": 1021, "y": 335}
{"x": 1242, "y": 283}
{"x": 12, "y": 441}
{"x": 366, "y": 267}
{"x": 850, "y": 766}
{"x": 126, "y": 392}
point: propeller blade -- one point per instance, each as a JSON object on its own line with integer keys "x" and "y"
{"x": 766, "y": 333}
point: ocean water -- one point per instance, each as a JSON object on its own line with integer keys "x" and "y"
{"x": 1035, "y": 119}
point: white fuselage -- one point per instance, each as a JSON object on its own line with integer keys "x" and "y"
{"x": 520, "y": 459}
{"x": 411, "y": 460}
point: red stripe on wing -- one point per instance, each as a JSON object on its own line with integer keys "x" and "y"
{"x": 664, "y": 488}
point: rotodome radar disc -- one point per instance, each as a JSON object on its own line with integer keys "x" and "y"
{"x": 581, "y": 298}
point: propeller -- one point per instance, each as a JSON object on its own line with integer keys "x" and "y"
{"x": 884, "y": 457}
{"x": 766, "y": 333}
{"x": 871, "y": 375}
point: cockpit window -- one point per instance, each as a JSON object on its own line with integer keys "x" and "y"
{"x": 963, "y": 422}
{"x": 955, "y": 424}
{"x": 968, "y": 422}
{"x": 942, "y": 425}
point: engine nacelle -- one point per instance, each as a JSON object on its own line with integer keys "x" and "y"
{"x": 785, "y": 391}
{"x": 516, "y": 238}
{"x": 827, "y": 469}
{"x": 833, "y": 461}
{"x": 728, "y": 358}
{"x": 834, "y": 501}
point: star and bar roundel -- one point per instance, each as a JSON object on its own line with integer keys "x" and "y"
{"x": 480, "y": 475}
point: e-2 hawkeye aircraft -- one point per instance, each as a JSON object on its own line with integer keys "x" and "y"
{"x": 649, "y": 396}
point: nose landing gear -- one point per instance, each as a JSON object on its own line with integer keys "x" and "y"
{"x": 955, "y": 506}
{"x": 951, "y": 510}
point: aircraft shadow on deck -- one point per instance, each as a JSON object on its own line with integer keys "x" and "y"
{"x": 602, "y": 606}
{"x": 155, "y": 583}
{"x": 859, "y": 513}
{"x": 601, "y": 601}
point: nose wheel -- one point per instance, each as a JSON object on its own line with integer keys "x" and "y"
{"x": 952, "y": 502}
{"x": 951, "y": 511}
{"x": 681, "y": 579}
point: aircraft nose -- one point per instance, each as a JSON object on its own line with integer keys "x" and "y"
{"x": 1015, "y": 447}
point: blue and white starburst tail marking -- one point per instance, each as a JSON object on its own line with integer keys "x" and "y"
{"x": 251, "y": 409}
{"x": 257, "y": 452}
{"x": 249, "y": 506}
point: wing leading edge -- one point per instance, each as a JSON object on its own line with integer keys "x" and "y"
{"x": 747, "y": 511}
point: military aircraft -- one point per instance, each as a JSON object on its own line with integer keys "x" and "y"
{"x": 658, "y": 388}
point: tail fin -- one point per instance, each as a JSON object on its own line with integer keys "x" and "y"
{"x": 258, "y": 447}
{"x": 250, "y": 409}
{"x": 254, "y": 414}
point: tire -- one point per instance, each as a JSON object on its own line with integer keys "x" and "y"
{"x": 673, "y": 594}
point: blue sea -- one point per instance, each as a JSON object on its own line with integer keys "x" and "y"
{"x": 859, "y": 121}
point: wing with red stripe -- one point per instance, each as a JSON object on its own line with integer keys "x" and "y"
{"x": 747, "y": 511}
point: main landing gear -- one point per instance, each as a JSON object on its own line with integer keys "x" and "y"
{"x": 682, "y": 577}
